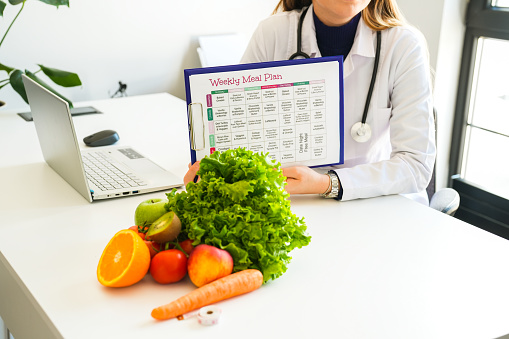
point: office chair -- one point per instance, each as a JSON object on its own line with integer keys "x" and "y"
{"x": 445, "y": 200}
{"x": 221, "y": 49}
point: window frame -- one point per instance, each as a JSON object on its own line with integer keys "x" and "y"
{"x": 482, "y": 20}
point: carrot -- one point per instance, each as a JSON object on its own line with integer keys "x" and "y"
{"x": 220, "y": 289}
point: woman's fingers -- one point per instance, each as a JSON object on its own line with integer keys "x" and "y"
{"x": 294, "y": 177}
{"x": 299, "y": 179}
{"x": 304, "y": 180}
{"x": 191, "y": 172}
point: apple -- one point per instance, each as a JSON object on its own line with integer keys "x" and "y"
{"x": 149, "y": 211}
{"x": 208, "y": 263}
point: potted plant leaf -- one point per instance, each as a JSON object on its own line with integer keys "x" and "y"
{"x": 59, "y": 77}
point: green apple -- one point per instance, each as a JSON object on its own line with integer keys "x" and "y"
{"x": 149, "y": 211}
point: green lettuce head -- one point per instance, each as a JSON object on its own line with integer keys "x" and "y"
{"x": 240, "y": 205}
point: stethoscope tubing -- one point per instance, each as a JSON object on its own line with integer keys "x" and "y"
{"x": 373, "y": 76}
{"x": 300, "y": 53}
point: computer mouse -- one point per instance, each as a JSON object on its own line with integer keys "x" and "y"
{"x": 101, "y": 138}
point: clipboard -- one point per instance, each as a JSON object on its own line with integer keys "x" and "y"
{"x": 291, "y": 109}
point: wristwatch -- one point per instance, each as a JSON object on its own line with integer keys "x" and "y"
{"x": 334, "y": 186}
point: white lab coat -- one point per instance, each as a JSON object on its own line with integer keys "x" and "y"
{"x": 399, "y": 157}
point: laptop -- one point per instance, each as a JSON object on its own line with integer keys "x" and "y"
{"x": 96, "y": 173}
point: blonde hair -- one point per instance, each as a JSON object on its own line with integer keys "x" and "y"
{"x": 378, "y": 15}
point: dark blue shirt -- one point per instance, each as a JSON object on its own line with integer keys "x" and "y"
{"x": 335, "y": 40}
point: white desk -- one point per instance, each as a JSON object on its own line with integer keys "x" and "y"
{"x": 375, "y": 268}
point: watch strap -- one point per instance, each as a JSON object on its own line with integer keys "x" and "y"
{"x": 334, "y": 186}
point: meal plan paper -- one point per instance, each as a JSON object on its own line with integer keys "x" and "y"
{"x": 292, "y": 110}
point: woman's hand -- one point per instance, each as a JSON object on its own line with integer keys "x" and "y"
{"x": 191, "y": 172}
{"x": 299, "y": 179}
{"x": 304, "y": 180}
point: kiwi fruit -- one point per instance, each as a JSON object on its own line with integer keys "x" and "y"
{"x": 165, "y": 229}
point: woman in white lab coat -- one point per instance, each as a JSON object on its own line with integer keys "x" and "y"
{"x": 399, "y": 156}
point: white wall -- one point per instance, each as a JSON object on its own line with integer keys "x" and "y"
{"x": 147, "y": 45}
{"x": 144, "y": 44}
{"x": 442, "y": 23}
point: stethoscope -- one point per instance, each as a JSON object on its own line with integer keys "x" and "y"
{"x": 360, "y": 131}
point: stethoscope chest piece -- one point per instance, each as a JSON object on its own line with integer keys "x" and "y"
{"x": 360, "y": 132}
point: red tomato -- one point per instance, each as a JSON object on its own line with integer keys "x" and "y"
{"x": 135, "y": 228}
{"x": 153, "y": 247}
{"x": 187, "y": 246}
{"x": 168, "y": 266}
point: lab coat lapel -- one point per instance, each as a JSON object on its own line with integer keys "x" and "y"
{"x": 362, "y": 46}
{"x": 309, "y": 43}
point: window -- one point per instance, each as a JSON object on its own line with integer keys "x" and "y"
{"x": 488, "y": 119}
{"x": 480, "y": 146}
{"x": 500, "y": 3}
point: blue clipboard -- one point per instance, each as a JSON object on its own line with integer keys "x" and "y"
{"x": 196, "y": 107}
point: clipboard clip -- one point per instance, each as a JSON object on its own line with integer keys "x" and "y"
{"x": 196, "y": 130}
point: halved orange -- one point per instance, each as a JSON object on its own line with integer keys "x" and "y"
{"x": 124, "y": 261}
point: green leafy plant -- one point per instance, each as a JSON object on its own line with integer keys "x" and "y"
{"x": 240, "y": 205}
{"x": 59, "y": 77}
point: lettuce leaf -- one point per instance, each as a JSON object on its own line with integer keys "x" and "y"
{"x": 240, "y": 205}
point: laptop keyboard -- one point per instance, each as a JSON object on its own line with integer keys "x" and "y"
{"x": 106, "y": 174}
